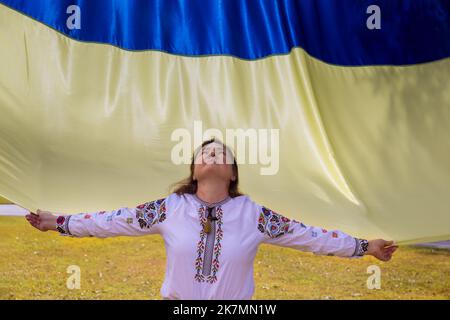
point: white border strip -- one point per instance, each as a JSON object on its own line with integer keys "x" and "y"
{"x": 12, "y": 210}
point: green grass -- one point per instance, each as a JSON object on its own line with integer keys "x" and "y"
{"x": 34, "y": 264}
{"x": 4, "y": 201}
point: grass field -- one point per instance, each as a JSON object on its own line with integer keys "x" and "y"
{"x": 4, "y": 201}
{"x": 33, "y": 266}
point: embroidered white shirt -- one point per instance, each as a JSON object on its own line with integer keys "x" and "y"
{"x": 218, "y": 264}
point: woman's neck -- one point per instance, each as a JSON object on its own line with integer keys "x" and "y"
{"x": 212, "y": 191}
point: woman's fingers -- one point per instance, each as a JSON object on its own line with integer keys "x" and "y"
{"x": 34, "y": 220}
{"x": 388, "y": 243}
{"x": 385, "y": 253}
{"x": 390, "y": 250}
{"x": 33, "y": 217}
{"x": 33, "y": 223}
{"x": 30, "y": 218}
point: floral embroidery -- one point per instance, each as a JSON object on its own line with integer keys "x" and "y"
{"x": 200, "y": 246}
{"x": 211, "y": 278}
{"x": 272, "y": 223}
{"x": 217, "y": 247}
{"x": 361, "y": 247}
{"x": 62, "y": 225}
{"x": 150, "y": 213}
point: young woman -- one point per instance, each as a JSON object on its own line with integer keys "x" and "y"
{"x": 211, "y": 231}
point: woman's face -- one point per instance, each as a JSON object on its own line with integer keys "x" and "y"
{"x": 213, "y": 161}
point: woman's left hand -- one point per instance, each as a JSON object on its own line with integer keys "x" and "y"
{"x": 381, "y": 249}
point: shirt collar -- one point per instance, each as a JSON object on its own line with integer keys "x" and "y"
{"x": 210, "y": 205}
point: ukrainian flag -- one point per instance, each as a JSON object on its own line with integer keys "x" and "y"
{"x": 91, "y": 92}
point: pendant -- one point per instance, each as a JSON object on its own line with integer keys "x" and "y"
{"x": 207, "y": 226}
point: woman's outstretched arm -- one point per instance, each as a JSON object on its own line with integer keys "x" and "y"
{"x": 142, "y": 220}
{"x": 281, "y": 231}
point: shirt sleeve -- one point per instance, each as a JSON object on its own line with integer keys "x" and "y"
{"x": 141, "y": 220}
{"x": 282, "y": 231}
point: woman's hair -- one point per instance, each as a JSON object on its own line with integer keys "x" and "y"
{"x": 189, "y": 185}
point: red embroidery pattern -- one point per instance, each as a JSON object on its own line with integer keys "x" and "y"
{"x": 62, "y": 224}
{"x": 217, "y": 247}
{"x": 272, "y": 223}
{"x": 151, "y": 213}
{"x": 201, "y": 247}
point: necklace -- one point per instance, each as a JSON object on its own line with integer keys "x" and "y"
{"x": 207, "y": 226}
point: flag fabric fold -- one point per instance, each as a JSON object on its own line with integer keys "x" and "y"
{"x": 92, "y": 92}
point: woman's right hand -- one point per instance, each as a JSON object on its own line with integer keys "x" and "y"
{"x": 42, "y": 220}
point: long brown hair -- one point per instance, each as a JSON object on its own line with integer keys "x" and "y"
{"x": 189, "y": 185}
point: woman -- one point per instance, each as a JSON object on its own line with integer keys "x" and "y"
{"x": 211, "y": 231}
